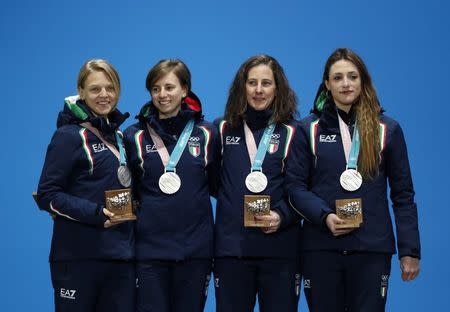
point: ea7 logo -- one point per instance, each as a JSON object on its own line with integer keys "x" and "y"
{"x": 331, "y": 138}
{"x": 150, "y": 148}
{"x": 232, "y": 140}
{"x": 99, "y": 147}
{"x": 67, "y": 293}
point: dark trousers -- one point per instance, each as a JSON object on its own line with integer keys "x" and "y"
{"x": 345, "y": 281}
{"x": 237, "y": 282}
{"x": 169, "y": 286}
{"x": 93, "y": 286}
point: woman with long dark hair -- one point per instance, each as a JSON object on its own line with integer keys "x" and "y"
{"x": 346, "y": 153}
{"x": 256, "y": 135}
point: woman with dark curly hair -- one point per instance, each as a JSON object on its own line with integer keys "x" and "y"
{"x": 256, "y": 135}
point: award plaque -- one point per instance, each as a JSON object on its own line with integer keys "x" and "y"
{"x": 349, "y": 210}
{"x": 255, "y": 205}
{"x": 120, "y": 203}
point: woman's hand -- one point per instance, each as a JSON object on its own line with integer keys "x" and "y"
{"x": 410, "y": 267}
{"x": 274, "y": 222}
{"x": 110, "y": 222}
{"x": 332, "y": 220}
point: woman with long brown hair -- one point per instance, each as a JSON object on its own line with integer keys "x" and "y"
{"x": 256, "y": 135}
{"x": 346, "y": 153}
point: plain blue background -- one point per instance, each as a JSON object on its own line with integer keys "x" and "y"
{"x": 405, "y": 45}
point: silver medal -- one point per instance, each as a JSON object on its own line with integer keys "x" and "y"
{"x": 351, "y": 180}
{"x": 124, "y": 175}
{"x": 169, "y": 183}
{"x": 256, "y": 181}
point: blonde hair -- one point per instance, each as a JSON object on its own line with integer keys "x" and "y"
{"x": 97, "y": 65}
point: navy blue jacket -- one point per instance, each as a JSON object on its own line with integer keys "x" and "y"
{"x": 177, "y": 226}
{"x": 313, "y": 186}
{"x": 232, "y": 239}
{"x": 78, "y": 169}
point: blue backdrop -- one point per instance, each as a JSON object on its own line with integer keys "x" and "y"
{"x": 44, "y": 43}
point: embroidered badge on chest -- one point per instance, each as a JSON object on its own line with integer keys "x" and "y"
{"x": 194, "y": 146}
{"x": 273, "y": 145}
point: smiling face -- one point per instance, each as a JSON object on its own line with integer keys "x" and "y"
{"x": 167, "y": 93}
{"x": 344, "y": 83}
{"x": 99, "y": 94}
{"x": 260, "y": 87}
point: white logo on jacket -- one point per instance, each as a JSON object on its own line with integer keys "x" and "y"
{"x": 194, "y": 146}
{"x": 194, "y": 139}
{"x": 67, "y": 293}
{"x": 232, "y": 140}
{"x": 331, "y": 138}
{"x": 99, "y": 147}
{"x": 150, "y": 148}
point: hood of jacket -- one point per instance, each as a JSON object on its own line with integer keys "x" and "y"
{"x": 76, "y": 111}
{"x": 191, "y": 107}
{"x": 323, "y": 103}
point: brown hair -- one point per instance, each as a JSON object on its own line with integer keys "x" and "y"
{"x": 284, "y": 104}
{"x": 367, "y": 109}
{"x": 99, "y": 65}
{"x": 164, "y": 67}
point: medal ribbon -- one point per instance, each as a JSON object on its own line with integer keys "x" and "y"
{"x": 170, "y": 162}
{"x": 351, "y": 145}
{"x": 119, "y": 154}
{"x": 257, "y": 156}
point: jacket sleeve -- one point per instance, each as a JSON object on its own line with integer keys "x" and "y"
{"x": 299, "y": 167}
{"x": 214, "y": 161}
{"x": 135, "y": 157}
{"x": 287, "y": 215}
{"x": 402, "y": 195}
{"x": 56, "y": 176}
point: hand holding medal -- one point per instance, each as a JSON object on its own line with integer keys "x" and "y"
{"x": 118, "y": 202}
{"x": 348, "y": 211}
{"x": 256, "y": 206}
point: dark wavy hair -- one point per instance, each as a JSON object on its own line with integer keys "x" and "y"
{"x": 284, "y": 105}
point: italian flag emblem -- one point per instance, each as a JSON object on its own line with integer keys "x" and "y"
{"x": 273, "y": 146}
{"x": 194, "y": 148}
